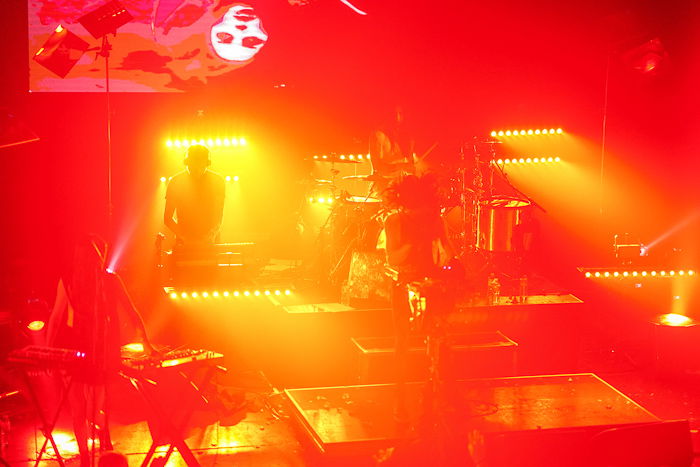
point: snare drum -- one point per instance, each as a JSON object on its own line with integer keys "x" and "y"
{"x": 499, "y": 219}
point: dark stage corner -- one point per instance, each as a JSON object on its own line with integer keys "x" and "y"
{"x": 350, "y": 233}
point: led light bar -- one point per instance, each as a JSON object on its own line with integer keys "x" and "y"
{"x": 321, "y": 200}
{"x": 341, "y": 157}
{"x": 210, "y": 142}
{"x": 192, "y": 294}
{"x": 636, "y": 273}
{"x": 228, "y": 178}
{"x": 530, "y": 132}
{"x": 526, "y": 160}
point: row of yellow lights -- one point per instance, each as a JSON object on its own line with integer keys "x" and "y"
{"x": 227, "y": 294}
{"x": 543, "y": 131}
{"x": 342, "y": 157}
{"x": 662, "y": 273}
{"x": 527, "y": 160}
{"x": 321, "y": 200}
{"x": 211, "y": 142}
{"x": 228, "y": 178}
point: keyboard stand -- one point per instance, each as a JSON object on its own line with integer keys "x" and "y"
{"x": 171, "y": 429}
{"x": 47, "y": 426}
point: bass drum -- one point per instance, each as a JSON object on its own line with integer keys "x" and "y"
{"x": 499, "y": 226}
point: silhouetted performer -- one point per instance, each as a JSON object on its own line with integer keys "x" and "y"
{"x": 194, "y": 201}
{"x": 93, "y": 313}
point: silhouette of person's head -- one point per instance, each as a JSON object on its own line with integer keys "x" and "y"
{"x": 197, "y": 159}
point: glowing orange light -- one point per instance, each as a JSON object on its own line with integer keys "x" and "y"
{"x": 36, "y": 325}
{"x": 653, "y": 273}
{"x": 672, "y": 273}
{"x": 550, "y": 159}
{"x": 674, "y": 319}
{"x": 529, "y": 132}
{"x": 256, "y": 293}
{"x": 227, "y": 142}
{"x": 499, "y": 161}
{"x": 616, "y": 274}
{"x": 215, "y": 294}
{"x": 195, "y": 295}
{"x": 135, "y": 347}
{"x": 210, "y": 142}
{"x": 40, "y": 51}
{"x": 169, "y": 143}
{"x": 205, "y": 294}
{"x": 597, "y": 274}
{"x": 528, "y": 160}
{"x": 278, "y": 292}
{"x": 644, "y": 274}
{"x": 201, "y": 142}
{"x": 508, "y": 133}
{"x": 588, "y": 274}
{"x": 493, "y": 133}
{"x": 242, "y": 141}
{"x": 559, "y": 131}
{"x": 183, "y": 295}
{"x": 59, "y": 28}
{"x": 342, "y": 157}
{"x": 536, "y": 160}
{"x": 218, "y": 141}
{"x": 177, "y": 143}
{"x": 173, "y": 295}
{"x": 507, "y": 161}
{"x": 551, "y": 131}
{"x": 163, "y": 179}
{"x": 606, "y": 274}
{"x": 625, "y": 274}
{"x": 521, "y": 160}
{"x": 557, "y": 159}
{"x": 635, "y": 273}
{"x": 537, "y": 132}
{"x": 236, "y": 293}
{"x": 501, "y": 133}
{"x": 226, "y": 293}
{"x": 351, "y": 157}
{"x": 267, "y": 292}
{"x": 691, "y": 273}
{"x": 288, "y": 292}
{"x": 516, "y": 132}
{"x": 228, "y": 178}
{"x": 247, "y": 293}
{"x": 662, "y": 273}
{"x": 360, "y": 156}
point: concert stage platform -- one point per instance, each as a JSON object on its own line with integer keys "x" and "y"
{"x": 535, "y": 420}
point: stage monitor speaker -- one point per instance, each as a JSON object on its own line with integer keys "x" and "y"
{"x": 666, "y": 443}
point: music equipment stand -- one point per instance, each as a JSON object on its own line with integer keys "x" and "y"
{"x": 170, "y": 430}
{"x": 24, "y": 359}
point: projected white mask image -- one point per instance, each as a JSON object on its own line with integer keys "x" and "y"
{"x": 239, "y": 35}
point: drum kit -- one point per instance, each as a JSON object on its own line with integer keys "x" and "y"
{"x": 478, "y": 219}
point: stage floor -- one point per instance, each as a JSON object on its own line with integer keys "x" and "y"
{"x": 353, "y": 425}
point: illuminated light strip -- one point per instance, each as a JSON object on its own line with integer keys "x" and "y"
{"x": 210, "y": 142}
{"x": 342, "y": 157}
{"x": 228, "y": 178}
{"x": 530, "y": 132}
{"x": 526, "y": 160}
{"x": 636, "y": 273}
{"x": 216, "y": 294}
{"x": 321, "y": 200}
